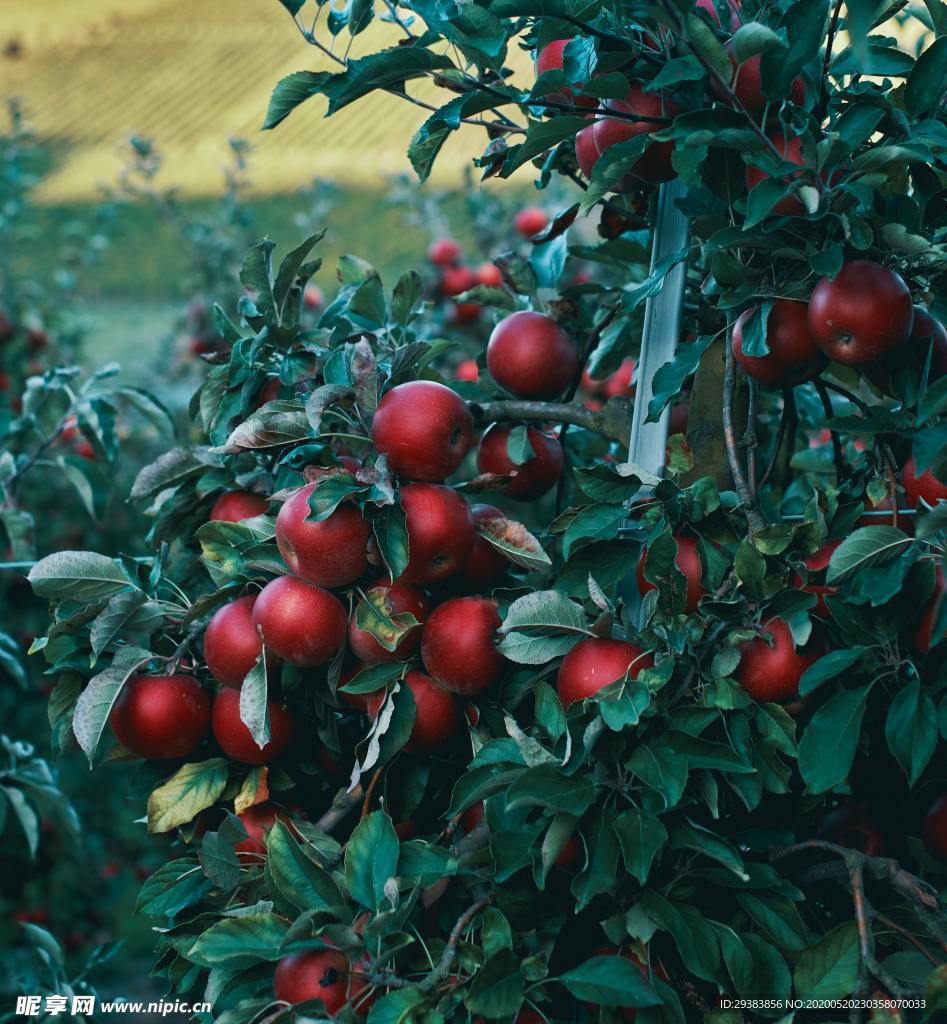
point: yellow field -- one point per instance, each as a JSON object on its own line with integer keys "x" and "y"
{"x": 189, "y": 74}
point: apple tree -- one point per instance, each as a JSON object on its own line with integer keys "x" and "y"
{"x": 620, "y": 744}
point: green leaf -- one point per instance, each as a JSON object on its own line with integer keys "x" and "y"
{"x": 174, "y": 886}
{"x": 218, "y": 860}
{"x": 668, "y": 380}
{"x": 546, "y": 786}
{"x": 514, "y": 542}
{"x": 540, "y": 137}
{"x": 304, "y": 884}
{"x": 127, "y": 612}
{"x": 661, "y": 769}
{"x": 497, "y": 988}
{"x": 254, "y": 702}
{"x": 925, "y": 85}
{"x": 385, "y": 69}
{"x": 610, "y": 981}
{"x": 391, "y": 533}
{"x": 829, "y": 970}
{"x": 869, "y": 546}
{"x": 82, "y": 576}
{"x": 274, "y": 425}
{"x": 290, "y": 266}
{"x": 703, "y": 40}
{"x": 828, "y": 667}
{"x": 541, "y": 626}
{"x": 290, "y": 92}
{"x": 654, "y": 282}
{"x": 396, "y": 1007}
{"x": 371, "y": 858}
{"x": 247, "y": 938}
{"x": 192, "y": 789}
{"x": 96, "y": 701}
{"x": 641, "y": 836}
{"x": 167, "y": 471}
{"x": 257, "y": 277}
{"x": 911, "y": 729}
{"x": 828, "y": 744}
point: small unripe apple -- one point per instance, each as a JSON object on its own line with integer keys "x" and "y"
{"x": 535, "y": 476}
{"x": 161, "y": 717}
{"x": 299, "y": 622}
{"x": 486, "y": 565}
{"x": 655, "y": 164}
{"x": 925, "y": 487}
{"x": 531, "y": 221}
{"x": 398, "y": 598}
{"x": 444, "y": 252}
{"x": 440, "y": 532}
{"x": 935, "y": 828}
{"x": 324, "y": 974}
{"x": 531, "y": 356}
{"x": 231, "y": 642}
{"x": 862, "y": 314}
{"x": 595, "y": 663}
{"x": 456, "y": 280}
{"x": 235, "y": 506}
{"x": 458, "y": 645}
{"x": 793, "y": 356}
{"x": 234, "y": 738}
{"x": 424, "y": 429}
{"x": 687, "y": 560}
{"x": 772, "y": 673}
{"x": 436, "y": 718}
{"x": 332, "y": 552}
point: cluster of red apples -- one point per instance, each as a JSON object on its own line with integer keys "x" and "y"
{"x": 455, "y": 277}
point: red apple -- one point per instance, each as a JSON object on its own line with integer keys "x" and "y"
{"x": 231, "y": 642}
{"x": 655, "y": 163}
{"x": 458, "y": 645}
{"x": 299, "y": 622}
{"x": 550, "y": 58}
{"x": 258, "y": 820}
{"x": 234, "y": 738}
{"x": 926, "y": 334}
{"x": 925, "y": 487}
{"x": 440, "y": 532}
{"x": 747, "y": 86}
{"x": 332, "y": 552}
{"x": 861, "y": 315}
{"x": 595, "y": 663}
{"x": 531, "y": 356}
{"x": 324, "y": 974}
{"x": 398, "y": 598}
{"x": 489, "y": 274}
{"x": 444, "y": 252}
{"x": 791, "y": 150}
{"x": 235, "y": 506}
{"x": 793, "y": 356}
{"x": 161, "y": 717}
{"x": 853, "y": 826}
{"x": 687, "y": 560}
{"x": 772, "y": 673}
{"x": 817, "y": 563}
{"x": 531, "y": 221}
{"x": 424, "y": 430}
{"x": 466, "y": 312}
{"x": 586, "y": 152}
{"x": 436, "y": 719}
{"x": 467, "y": 370}
{"x": 534, "y": 477}
{"x": 455, "y": 280}
{"x": 486, "y": 566}
{"x": 312, "y": 297}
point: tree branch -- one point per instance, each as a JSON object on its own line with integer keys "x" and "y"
{"x": 613, "y": 421}
{"x": 450, "y": 950}
{"x": 754, "y": 519}
{"x": 343, "y": 803}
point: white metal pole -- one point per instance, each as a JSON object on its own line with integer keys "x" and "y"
{"x": 662, "y": 326}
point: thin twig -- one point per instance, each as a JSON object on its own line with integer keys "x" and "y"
{"x": 755, "y": 520}
{"x": 789, "y": 407}
{"x": 370, "y": 792}
{"x": 450, "y": 950}
{"x": 837, "y": 454}
{"x": 343, "y": 803}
